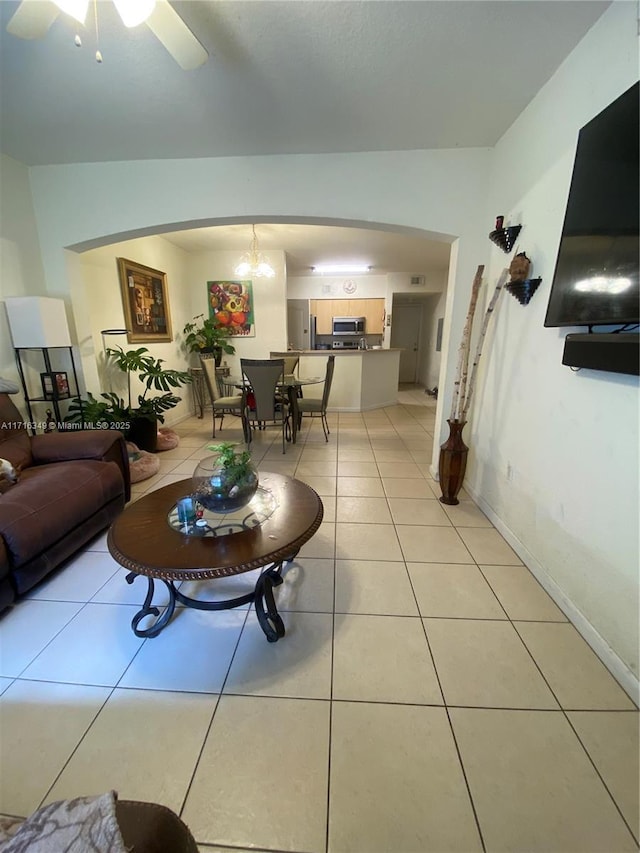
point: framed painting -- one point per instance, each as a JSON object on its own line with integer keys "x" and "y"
{"x": 145, "y": 302}
{"x": 231, "y": 305}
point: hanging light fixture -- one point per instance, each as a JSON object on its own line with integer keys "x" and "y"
{"x": 132, "y": 12}
{"x": 253, "y": 262}
{"x": 76, "y": 8}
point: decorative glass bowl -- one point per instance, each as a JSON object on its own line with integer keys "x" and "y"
{"x": 224, "y": 488}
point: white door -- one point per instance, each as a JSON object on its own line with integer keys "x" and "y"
{"x": 297, "y": 325}
{"x": 405, "y": 334}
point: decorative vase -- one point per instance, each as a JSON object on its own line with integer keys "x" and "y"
{"x": 453, "y": 463}
{"x": 224, "y": 489}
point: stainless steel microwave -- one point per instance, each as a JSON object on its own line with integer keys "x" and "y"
{"x": 349, "y": 325}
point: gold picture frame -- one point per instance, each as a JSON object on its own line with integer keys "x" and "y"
{"x": 146, "y": 303}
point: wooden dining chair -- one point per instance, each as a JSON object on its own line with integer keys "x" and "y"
{"x": 220, "y": 404}
{"x": 319, "y": 407}
{"x": 265, "y": 403}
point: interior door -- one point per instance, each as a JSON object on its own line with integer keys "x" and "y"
{"x": 405, "y": 334}
{"x": 297, "y": 325}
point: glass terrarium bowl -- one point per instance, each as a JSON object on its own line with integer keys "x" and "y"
{"x": 221, "y": 488}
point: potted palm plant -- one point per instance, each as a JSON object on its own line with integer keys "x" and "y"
{"x": 203, "y": 335}
{"x": 139, "y": 421}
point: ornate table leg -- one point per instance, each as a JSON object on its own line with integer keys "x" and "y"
{"x": 265, "y": 604}
{"x": 148, "y": 610}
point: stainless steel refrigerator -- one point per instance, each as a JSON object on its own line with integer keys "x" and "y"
{"x": 312, "y": 331}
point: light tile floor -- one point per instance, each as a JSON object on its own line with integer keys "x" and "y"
{"x": 428, "y": 695}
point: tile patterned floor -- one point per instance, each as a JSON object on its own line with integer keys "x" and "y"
{"x": 428, "y": 696}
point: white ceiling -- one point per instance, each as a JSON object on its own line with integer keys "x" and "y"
{"x": 309, "y": 245}
{"x": 287, "y": 76}
{"x": 296, "y": 76}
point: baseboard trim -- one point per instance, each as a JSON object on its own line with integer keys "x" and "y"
{"x": 356, "y": 410}
{"x": 616, "y": 666}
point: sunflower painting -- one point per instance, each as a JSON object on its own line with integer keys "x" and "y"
{"x": 231, "y": 306}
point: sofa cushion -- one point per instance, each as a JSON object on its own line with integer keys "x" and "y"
{"x": 51, "y": 500}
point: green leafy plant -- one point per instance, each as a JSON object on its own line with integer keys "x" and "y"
{"x": 113, "y": 409}
{"x": 237, "y": 466}
{"x": 203, "y": 334}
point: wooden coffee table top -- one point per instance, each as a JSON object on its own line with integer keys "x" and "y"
{"x": 141, "y": 540}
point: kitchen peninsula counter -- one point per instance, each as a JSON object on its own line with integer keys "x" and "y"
{"x": 362, "y": 379}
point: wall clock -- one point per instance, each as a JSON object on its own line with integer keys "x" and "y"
{"x": 349, "y": 286}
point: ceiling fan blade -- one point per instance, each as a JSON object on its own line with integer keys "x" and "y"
{"x": 32, "y": 19}
{"x": 175, "y": 35}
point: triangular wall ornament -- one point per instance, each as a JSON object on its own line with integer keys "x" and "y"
{"x": 505, "y": 238}
{"x": 523, "y": 290}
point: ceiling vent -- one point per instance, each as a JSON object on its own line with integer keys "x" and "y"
{"x": 417, "y": 281}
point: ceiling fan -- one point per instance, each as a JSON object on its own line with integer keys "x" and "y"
{"x": 33, "y": 18}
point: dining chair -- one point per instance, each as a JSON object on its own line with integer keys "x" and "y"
{"x": 319, "y": 407}
{"x": 220, "y": 404}
{"x": 265, "y": 403}
{"x": 290, "y": 364}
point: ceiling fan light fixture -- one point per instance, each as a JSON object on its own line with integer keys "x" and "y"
{"x": 76, "y": 8}
{"x": 253, "y": 262}
{"x": 134, "y": 12}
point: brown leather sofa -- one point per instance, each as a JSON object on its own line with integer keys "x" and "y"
{"x": 71, "y": 486}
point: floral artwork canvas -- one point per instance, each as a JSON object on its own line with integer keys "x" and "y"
{"x": 231, "y": 306}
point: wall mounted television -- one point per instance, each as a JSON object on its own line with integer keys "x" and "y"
{"x": 596, "y": 279}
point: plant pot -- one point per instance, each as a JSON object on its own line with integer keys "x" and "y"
{"x": 212, "y": 352}
{"x": 452, "y": 463}
{"x": 220, "y": 489}
{"x": 143, "y": 433}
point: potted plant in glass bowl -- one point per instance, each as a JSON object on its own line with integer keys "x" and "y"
{"x": 225, "y": 481}
{"x": 204, "y": 335}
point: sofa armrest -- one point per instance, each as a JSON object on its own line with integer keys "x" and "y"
{"x": 105, "y": 446}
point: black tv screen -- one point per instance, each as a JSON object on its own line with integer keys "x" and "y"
{"x": 596, "y": 280}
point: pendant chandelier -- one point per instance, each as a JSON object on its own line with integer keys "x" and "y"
{"x": 253, "y": 263}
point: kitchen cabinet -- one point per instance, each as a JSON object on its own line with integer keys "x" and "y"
{"x": 323, "y": 310}
{"x": 373, "y": 311}
{"x": 326, "y": 309}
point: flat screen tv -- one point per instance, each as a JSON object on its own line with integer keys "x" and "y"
{"x": 596, "y": 280}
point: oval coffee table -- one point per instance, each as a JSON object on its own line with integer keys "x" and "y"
{"x": 142, "y": 540}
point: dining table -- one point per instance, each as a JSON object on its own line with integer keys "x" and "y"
{"x": 290, "y": 384}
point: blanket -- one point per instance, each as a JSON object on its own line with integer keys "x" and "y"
{"x": 68, "y": 826}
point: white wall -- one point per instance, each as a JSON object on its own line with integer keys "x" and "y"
{"x": 431, "y": 376}
{"x": 269, "y": 301}
{"x": 331, "y": 287}
{"x": 21, "y": 272}
{"x": 97, "y": 305}
{"x": 555, "y": 453}
{"x": 429, "y": 367}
